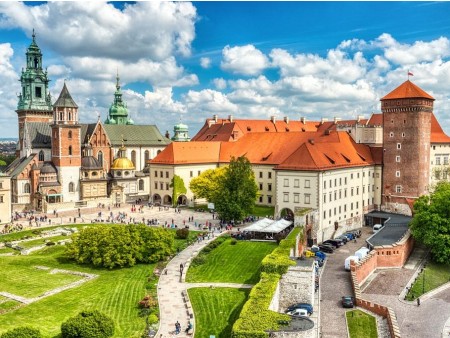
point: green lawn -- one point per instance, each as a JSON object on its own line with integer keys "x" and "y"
{"x": 263, "y": 210}
{"x": 433, "y": 276}
{"x": 220, "y": 308}
{"x": 40, "y": 241}
{"x": 115, "y": 292}
{"x": 361, "y": 324}
{"x": 5, "y": 250}
{"x": 228, "y": 263}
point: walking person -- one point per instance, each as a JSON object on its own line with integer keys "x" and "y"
{"x": 177, "y": 327}
{"x": 188, "y": 328}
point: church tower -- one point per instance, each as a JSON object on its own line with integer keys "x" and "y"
{"x": 181, "y": 133}
{"x": 407, "y": 114}
{"x": 118, "y": 112}
{"x": 66, "y": 145}
{"x": 34, "y": 100}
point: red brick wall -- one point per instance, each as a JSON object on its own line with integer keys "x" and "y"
{"x": 60, "y": 145}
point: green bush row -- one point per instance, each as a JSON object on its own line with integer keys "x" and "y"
{"x": 255, "y": 317}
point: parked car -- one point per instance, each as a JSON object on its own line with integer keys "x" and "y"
{"x": 377, "y": 227}
{"x": 306, "y": 306}
{"x": 350, "y": 235}
{"x": 298, "y": 313}
{"x": 314, "y": 248}
{"x": 319, "y": 261}
{"x": 361, "y": 253}
{"x": 343, "y": 238}
{"x": 321, "y": 255}
{"x": 326, "y": 248}
{"x": 334, "y": 242}
{"x": 348, "y": 260}
{"x": 347, "y": 301}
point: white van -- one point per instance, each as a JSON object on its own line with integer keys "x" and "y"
{"x": 377, "y": 227}
{"x": 361, "y": 253}
{"x": 348, "y": 260}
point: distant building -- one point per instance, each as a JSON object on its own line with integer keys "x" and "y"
{"x": 180, "y": 133}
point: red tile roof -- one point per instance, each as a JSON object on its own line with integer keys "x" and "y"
{"x": 437, "y": 134}
{"x": 407, "y": 90}
{"x": 377, "y": 154}
{"x": 189, "y": 153}
{"x": 376, "y": 120}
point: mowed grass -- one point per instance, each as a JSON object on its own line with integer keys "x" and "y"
{"x": 239, "y": 263}
{"x": 41, "y": 241}
{"x": 8, "y": 305}
{"x": 263, "y": 210}
{"x": 114, "y": 292}
{"x": 433, "y": 276}
{"x": 218, "y": 309}
{"x": 361, "y": 324}
{"x": 6, "y": 250}
{"x": 22, "y": 279}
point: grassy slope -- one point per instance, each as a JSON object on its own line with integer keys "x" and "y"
{"x": 361, "y": 325}
{"x": 435, "y": 276}
{"x": 220, "y": 307}
{"x": 228, "y": 263}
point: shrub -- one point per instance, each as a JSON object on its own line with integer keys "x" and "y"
{"x": 233, "y": 241}
{"x": 88, "y": 324}
{"x": 199, "y": 260}
{"x": 148, "y": 302}
{"x": 50, "y": 243}
{"x": 152, "y": 319}
{"x": 182, "y": 233}
{"x": 22, "y": 332}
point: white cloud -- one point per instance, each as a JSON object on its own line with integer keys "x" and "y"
{"x": 220, "y": 83}
{"x": 205, "y": 62}
{"x": 9, "y": 88}
{"x": 245, "y": 60}
{"x": 208, "y": 100}
{"x": 160, "y": 101}
{"x": 154, "y": 29}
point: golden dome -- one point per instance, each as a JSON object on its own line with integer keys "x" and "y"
{"x": 122, "y": 163}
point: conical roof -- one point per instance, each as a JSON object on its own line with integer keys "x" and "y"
{"x": 407, "y": 90}
{"x": 64, "y": 99}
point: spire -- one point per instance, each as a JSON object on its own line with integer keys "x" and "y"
{"x": 34, "y": 36}
{"x": 65, "y": 99}
{"x": 118, "y": 112}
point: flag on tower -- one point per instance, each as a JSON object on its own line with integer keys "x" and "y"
{"x": 410, "y": 74}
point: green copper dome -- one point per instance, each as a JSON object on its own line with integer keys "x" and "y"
{"x": 118, "y": 112}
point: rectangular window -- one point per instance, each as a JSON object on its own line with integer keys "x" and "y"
{"x": 260, "y": 186}
{"x": 335, "y": 211}
{"x": 351, "y": 206}
{"x": 329, "y": 213}
{"x": 324, "y": 198}
{"x": 331, "y": 184}
{"x": 357, "y": 205}
{"x": 351, "y": 176}
{"x": 335, "y": 195}
{"x": 345, "y": 193}
{"x": 324, "y": 215}
{"x": 161, "y": 174}
{"x": 397, "y": 173}
{"x": 296, "y": 183}
{"x": 286, "y": 197}
{"x": 1, "y": 198}
{"x": 351, "y": 192}
{"x": 397, "y": 158}
{"x": 307, "y": 184}
{"x": 156, "y": 173}
{"x": 438, "y": 161}
{"x": 296, "y": 198}
{"x": 286, "y": 182}
{"x": 399, "y": 146}
{"x": 260, "y": 174}
{"x": 198, "y": 173}
{"x": 330, "y": 197}
{"x": 398, "y": 188}
{"x": 260, "y": 199}
{"x": 307, "y": 198}
{"x": 345, "y": 180}
{"x": 161, "y": 185}
{"x": 324, "y": 184}
{"x": 156, "y": 185}
{"x": 377, "y": 175}
{"x": 1, "y": 185}
{"x": 437, "y": 174}
{"x": 167, "y": 186}
{"x": 340, "y": 181}
{"x": 445, "y": 160}
{"x": 167, "y": 174}
{"x": 335, "y": 182}
{"x": 269, "y": 174}
{"x": 269, "y": 186}
{"x": 269, "y": 199}
{"x": 38, "y": 92}
{"x": 191, "y": 174}
{"x": 357, "y": 190}
{"x": 345, "y": 207}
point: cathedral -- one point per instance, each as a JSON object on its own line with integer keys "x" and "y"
{"x": 62, "y": 163}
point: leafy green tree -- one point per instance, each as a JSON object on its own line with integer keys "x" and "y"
{"x": 178, "y": 188}
{"x": 208, "y": 183}
{"x": 22, "y": 332}
{"x": 431, "y": 222}
{"x": 237, "y": 192}
{"x": 88, "y": 324}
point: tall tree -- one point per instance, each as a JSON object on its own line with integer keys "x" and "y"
{"x": 207, "y": 183}
{"x": 431, "y": 222}
{"x": 237, "y": 192}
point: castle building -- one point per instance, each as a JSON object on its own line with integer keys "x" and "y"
{"x": 64, "y": 164}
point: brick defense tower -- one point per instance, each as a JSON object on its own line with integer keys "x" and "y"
{"x": 407, "y": 114}
{"x": 34, "y": 101}
{"x": 66, "y": 145}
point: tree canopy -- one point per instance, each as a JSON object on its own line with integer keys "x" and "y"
{"x": 88, "y": 324}
{"x": 178, "y": 188}
{"x": 113, "y": 246}
{"x": 232, "y": 189}
{"x": 431, "y": 222}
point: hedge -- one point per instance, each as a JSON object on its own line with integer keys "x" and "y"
{"x": 22, "y": 332}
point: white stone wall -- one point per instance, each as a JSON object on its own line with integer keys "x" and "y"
{"x": 296, "y": 286}
{"x": 67, "y": 175}
{"x": 140, "y": 154}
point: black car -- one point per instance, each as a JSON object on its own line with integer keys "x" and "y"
{"x": 343, "y": 238}
{"x": 334, "y": 242}
{"x": 347, "y": 301}
{"x": 326, "y": 248}
{"x": 308, "y": 307}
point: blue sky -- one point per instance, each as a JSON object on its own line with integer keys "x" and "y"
{"x": 190, "y": 61}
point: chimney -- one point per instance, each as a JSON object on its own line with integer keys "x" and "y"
{"x": 215, "y": 118}
{"x": 303, "y": 119}
{"x": 210, "y": 123}
{"x": 230, "y": 117}
{"x": 323, "y": 119}
{"x": 273, "y": 118}
{"x": 337, "y": 119}
{"x": 167, "y": 135}
{"x": 286, "y": 119}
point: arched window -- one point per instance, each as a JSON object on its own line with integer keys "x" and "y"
{"x": 70, "y": 134}
{"x": 133, "y": 157}
{"x": 41, "y": 156}
{"x": 70, "y": 150}
{"x": 141, "y": 184}
{"x": 146, "y": 156}
{"x": 158, "y": 151}
{"x": 27, "y": 188}
{"x": 100, "y": 157}
{"x": 71, "y": 187}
